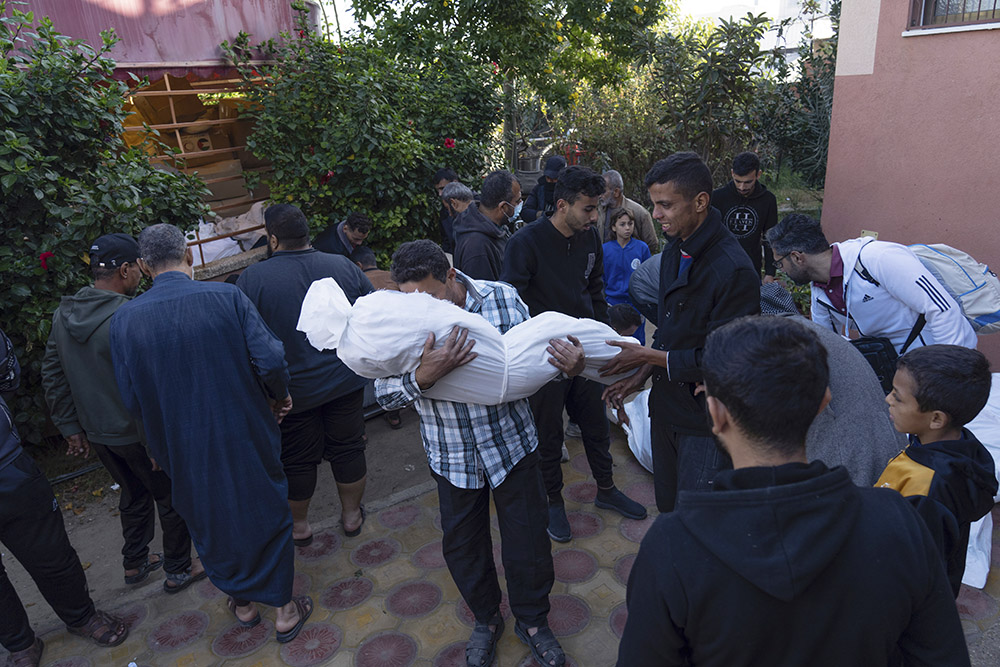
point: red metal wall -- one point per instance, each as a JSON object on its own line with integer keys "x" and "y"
{"x": 914, "y": 153}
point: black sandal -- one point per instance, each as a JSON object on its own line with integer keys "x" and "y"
{"x": 304, "y": 604}
{"x": 181, "y": 580}
{"x": 482, "y": 646}
{"x": 542, "y": 644}
{"x": 105, "y": 629}
{"x": 144, "y": 570}
{"x": 356, "y": 531}
{"x": 252, "y": 623}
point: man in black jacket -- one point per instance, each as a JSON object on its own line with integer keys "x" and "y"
{"x": 556, "y": 264}
{"x": 784, "y": 562}
{"x": 541, "y": 200}
{"x": 479, "y": 235}
{"x": 748, "y": 210}
{"x": 343, "y": 238}
{"x": 706, "y": 280}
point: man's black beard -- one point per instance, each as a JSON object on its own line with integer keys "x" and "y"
{"x": 268, "y": 252}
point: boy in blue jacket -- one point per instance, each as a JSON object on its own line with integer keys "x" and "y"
{"x": 622, "y": 256}
{"x": 945, "y": 472}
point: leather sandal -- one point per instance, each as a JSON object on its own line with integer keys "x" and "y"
{"x": 304, "y": 604}
{"x": 29, "y": 657}
{"x": 176, "y": 582}
{"x": 144, "y": 570}
{"x": 252, "y": 623}
{"x": 357, "y": 531}
{"x": 482, "y": 646}
{"x": 105, "y": 629}
{"x": 543, "y": 644}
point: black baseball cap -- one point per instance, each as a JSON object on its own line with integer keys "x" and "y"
{"x": 113, "y": 250}
{"x": 554, "y": 165}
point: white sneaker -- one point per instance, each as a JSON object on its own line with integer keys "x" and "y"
{"x": 573, "y": 430}
{"x": 565, "y": 453}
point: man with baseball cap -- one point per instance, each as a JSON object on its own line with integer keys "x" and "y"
{"x": 541, "y": 202}
{"x": 83, "y": 398}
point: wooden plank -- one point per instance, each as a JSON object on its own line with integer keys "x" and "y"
{"x": 180, "y": 126}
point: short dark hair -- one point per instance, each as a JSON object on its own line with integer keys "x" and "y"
{"x": 497, "y": 187}
{"x": 444, "y": 174}
{"x": 415, "y": 260}
{"x": 288, "y": 223}
{"x": 746, "y": 163}
{"x": 949, "y": 378}
{"x": 797, "y": 232}
{"x": 364, "y": 256}
{"x": 622, "y": 316}
{"x": 687, "y": 171}
{"x": 771, "y": 373}
{"x": 575, "y": 181}
{"x": 359, "y": 222}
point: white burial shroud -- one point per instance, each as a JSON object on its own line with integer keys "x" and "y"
{"x": 383, "y": 334}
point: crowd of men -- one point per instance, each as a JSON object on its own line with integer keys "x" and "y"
{"x": 766, "y": 427}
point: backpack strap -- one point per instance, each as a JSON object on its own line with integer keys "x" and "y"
{"x": 860, "y": 269}
{"x": 914, "y": 332}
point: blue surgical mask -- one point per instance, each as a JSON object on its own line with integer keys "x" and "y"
{"x": 517, "y": 211}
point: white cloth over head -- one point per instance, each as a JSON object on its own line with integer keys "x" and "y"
{"x": 383, "y": 334}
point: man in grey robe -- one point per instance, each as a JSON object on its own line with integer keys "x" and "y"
{"x": 206, "y": 377}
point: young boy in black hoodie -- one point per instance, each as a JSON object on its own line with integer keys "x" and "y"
{"x": 945, "y": 472}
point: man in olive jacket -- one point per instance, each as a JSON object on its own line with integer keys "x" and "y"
{"x": 85, "y": 405}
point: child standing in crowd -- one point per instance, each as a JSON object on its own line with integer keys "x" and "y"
{"x": 622, "y": 256}
{"x": 945, "y": 472}
{"x": 624, "y": 319}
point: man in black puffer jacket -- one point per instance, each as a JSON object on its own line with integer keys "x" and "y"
{"x": 480, "y": 238}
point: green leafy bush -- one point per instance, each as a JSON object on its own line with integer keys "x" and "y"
{"x": 66, "y": 177}
{"x": 355, "y": 127}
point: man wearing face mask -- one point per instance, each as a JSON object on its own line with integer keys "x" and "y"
{"x": 480, "y": 237}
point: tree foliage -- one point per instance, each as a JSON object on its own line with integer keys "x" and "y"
{"x": 550, "y": 45}
{"x": 65, "y": 178}
{"x": 356, "y": 127}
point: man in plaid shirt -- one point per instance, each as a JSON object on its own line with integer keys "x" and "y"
{"x": 472, "y": 449}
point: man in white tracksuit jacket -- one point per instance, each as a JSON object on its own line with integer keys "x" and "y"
{"x": 874, "y": 287}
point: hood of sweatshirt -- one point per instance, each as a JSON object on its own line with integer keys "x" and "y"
{"x": 777, "y": 527}
{"x": 963, "y": 469}
{"x": 759, "y": 191}
{"x": 87, "y": 310}
{"x": 472, "y": 220}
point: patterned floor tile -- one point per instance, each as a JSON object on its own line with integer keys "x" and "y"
{"x": 413, "y": 599}
{"x": 389, "y": 649}
{"x": 314, "y": 646}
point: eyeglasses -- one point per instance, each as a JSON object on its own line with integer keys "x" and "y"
{"x": 777, "y": 262}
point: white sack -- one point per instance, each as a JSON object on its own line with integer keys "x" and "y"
{"x": 383, "y": 334}
{"x": 640, "y": 437}
{"x": 212, "y": 250}
{"x": 986, "y": 427}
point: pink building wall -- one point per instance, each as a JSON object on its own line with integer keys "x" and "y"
{"x": 915, "y": 136}
{"x": 179, "y": 36}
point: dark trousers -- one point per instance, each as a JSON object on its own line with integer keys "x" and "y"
{"x": 31, "y": 527}
{"x": 525, "y": 548}
{"x": 682, "y": 462}
{"x": 582, "y": 399}
{"x": 334, "y": 431}
{"x": 142, "y": 488}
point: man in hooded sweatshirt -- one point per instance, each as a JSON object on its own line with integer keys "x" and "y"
{"x": 784, "y": 562}
{"x": 480, "y": 237}
{"x": 748, "y": 210}
{"x": 83, "y": 399}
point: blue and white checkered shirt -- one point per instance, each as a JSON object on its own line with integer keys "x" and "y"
{"x": 466, "y": 443}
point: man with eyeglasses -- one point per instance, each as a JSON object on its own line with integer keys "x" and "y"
{"x": 877, "y": 288}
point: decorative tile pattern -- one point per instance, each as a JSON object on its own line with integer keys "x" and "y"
{"x": 301, "y": 584}
{"x": 316, "y": 644}
{"x": 581, "y": 492}
{"x": 529, "y": 661}
{"x": 584, "y": 524}
{"x": 573, "y": 565}
{"x": 413, "y": 599}
{"x": 634, "y": 531}
{"x": 324, "y": 544}
{"x": 580, "y": 464}
{"x": 429, "y": 556}
{"x": 467, "y": 618}
{"x": 642, "y": 493}
{"x": 347, "y": 593}
{"x": 206, "y": 589}
{"x": 238, "y": 641}
{"x": 375, "y": 552}
{"x": 617, "y": 619}
{"x": 389, "y": 649}
{"x": 75, "y": 661}
{"x": 133, "y": 614}
{"x": 178, "y": 631}
{"x": 569, "y": 615}
{"x": 452, "y": 655}
{"x": 400, "y": 516}
{"x": 623, "y": 568}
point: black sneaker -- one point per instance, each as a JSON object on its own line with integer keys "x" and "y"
{"x": 559, "y": 529}
{"x": 613, "y": 499}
